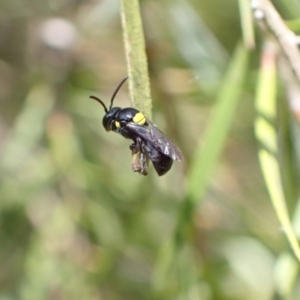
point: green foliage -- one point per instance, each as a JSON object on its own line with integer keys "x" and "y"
{"x": 77, "y": 223}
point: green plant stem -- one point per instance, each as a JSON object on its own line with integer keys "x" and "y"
{"x": 212, "y": 142}
{"x": 135, "y": 56}
{"x": 267, "y": 137}
{"x": 247, "y": 23}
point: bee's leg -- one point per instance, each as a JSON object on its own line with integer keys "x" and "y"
{"x": 134, "y": 147}
{"x": 139, "y": 157}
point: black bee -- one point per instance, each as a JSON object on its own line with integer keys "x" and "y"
{"x": 148, "y": 141}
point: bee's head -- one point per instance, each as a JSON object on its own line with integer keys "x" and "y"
{"x": 111, "y": 112}
{"x": 109, "y": 118}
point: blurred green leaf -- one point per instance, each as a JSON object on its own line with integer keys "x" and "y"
{"x": 211, "y": 144}
{"x": 247, "y": 23}
{"x": 28, "y": 128}
{"x": 265, "y": 131}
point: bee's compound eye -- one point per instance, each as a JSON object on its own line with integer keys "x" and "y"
{"x": 117, "y": 124}
{"x": 139, "y": 118}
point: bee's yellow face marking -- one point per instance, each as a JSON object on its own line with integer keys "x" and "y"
{"x": 117, "y": 124}
{"x": 139, "y": 118}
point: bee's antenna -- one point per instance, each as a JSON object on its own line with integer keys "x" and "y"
{"x": 100, "y": 101}
{"x": 112, "y": 98}
{"x": 116, "y": 91}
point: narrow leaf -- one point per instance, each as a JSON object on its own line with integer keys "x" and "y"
{"x": 135, "y": 56}
{"x": 267, "y": 136}
{"x": 212, "y": 143}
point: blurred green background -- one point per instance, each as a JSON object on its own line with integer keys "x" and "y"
{"x": 75, "y": 221}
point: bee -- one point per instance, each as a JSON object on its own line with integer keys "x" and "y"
{"x": 149, "y": 143}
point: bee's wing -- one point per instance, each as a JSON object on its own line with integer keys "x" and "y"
{"x": 156, "y": 138}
